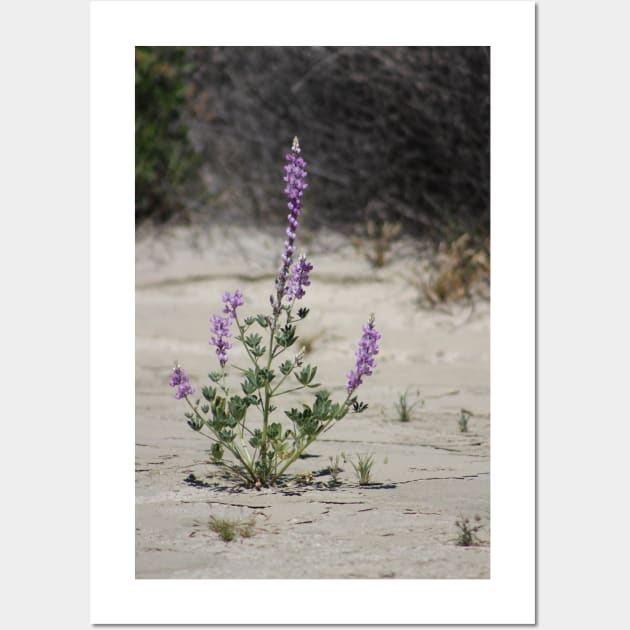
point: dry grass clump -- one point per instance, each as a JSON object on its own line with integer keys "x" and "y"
{"x": 461, "y": 271}
{"x": 376, "y": 242}
{"x": 230, "y": 528}
{"x": 467, "y": 531}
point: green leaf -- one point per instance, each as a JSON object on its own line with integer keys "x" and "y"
{"x": 286, "y": 336}
{"x": 237, "y": 407}
{"x": 195, "y": 424}
{"x": 253, "y": 340}
{"x": 217, "y": 452}
{"x": 248, "y": 387}
{"x": 274, "y": 430}
{"x": 264, "y": 376}
{"x": 262, "y": 320}
{"x": 286, "y": 367}
{"x": 209, "y": 393}
{"x": 306, "y": 375}
{"x": 215, "y": 376}
{"x": 256, "y": 439}
{"x": 226, "y": 435}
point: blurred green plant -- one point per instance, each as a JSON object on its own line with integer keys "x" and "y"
{"x": 404, "y": 406}
{"x": 462, "y": 422}
{"x": 167, "y": 165}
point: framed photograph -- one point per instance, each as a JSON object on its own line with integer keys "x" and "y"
{"x": 313, "y": 312}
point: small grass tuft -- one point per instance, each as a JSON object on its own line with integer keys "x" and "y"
{"x": 377, "y": 239}
{"x": 334, "y": 469}
{"x": 467, "y": 534}
{"x": 461, "y": 272}
{"x": 404, "y": 406}
{"x": 229, "y": 529}
{"x": 462, "y": 422}
{"x": 363, "y": 468}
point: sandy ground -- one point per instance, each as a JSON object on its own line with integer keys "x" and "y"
{"x": 426, "y": 472}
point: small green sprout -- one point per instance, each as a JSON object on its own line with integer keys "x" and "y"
{"x": 363, "y": 468}
{"x": 462, "y": 422}
{"x": 404, "y": 406}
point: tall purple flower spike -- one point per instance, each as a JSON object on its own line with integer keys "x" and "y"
{"x": 299, "y": 279}
{"x": 221, "y": 330}
{"x": 365, "y": 354}
{"x": 295, "y": 174}
{"x": 180, "y": 380}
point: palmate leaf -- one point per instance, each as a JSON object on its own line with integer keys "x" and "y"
{"x": 253, "y": 340}
{"x": 286, "y": 367}
{"x": 237, "y": 407}
{"x": 209, "y": 393}
{"x": 306, "y": 376}
{"x": 215, "y": 377}
{"x": 286, "y": 336}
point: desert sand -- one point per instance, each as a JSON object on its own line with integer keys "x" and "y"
{"x": 426, "y": 472}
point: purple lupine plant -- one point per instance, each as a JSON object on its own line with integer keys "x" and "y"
{"x": 295, "y": 174}
{"x": 180, "y": 380}
{"x": 299, "y": 279}
{"x": 221, "y": 330}
{"x": 365, "y": 354}
{"x": 261, "y": 455}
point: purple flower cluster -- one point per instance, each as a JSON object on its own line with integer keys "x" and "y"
{"x": 365, "y": 354}
{"x": 232, "y": 302}
{"x": 221, "y": 330}
{"x": 299, "y": 279}
{"x": 180, "y": 380}
{"x": 295, "y": 174}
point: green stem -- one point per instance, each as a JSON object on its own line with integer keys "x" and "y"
{"x": 241, "y": 330}
{"x": 268, "y": 394}
{"x": 286, "y": 391}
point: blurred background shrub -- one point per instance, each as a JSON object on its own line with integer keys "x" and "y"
{"x": 167, "y": 165}
{"x": 392, "y": 134}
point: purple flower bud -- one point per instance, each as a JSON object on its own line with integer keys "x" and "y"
{"x": 299, "y": 279}
{"x": 365, "y": 354}
{"x": 221, "y": 330}
{"x": 180, "y": 380}
{"x": 232, "y": 302}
